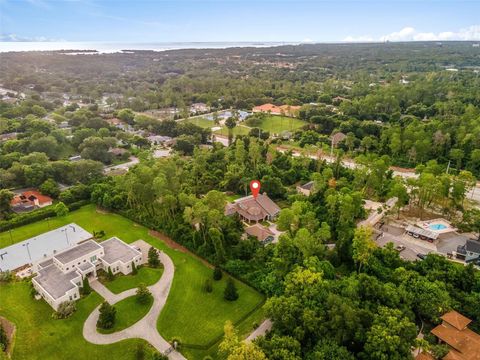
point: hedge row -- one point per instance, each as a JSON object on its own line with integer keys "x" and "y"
{"x": 40, "y": 214}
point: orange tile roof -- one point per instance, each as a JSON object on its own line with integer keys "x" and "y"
{"x": 456, "y": 319}
{"x": 465, "y": 343}
{"x": 424, "y": 356}
{"x": 26, "y": 196}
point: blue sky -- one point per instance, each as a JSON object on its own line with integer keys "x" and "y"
{"x": 230, "y": 20}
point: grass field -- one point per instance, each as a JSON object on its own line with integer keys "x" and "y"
{"x": 200, "y": 121}
{"x": 129, "y": 311}
{"x": 237, "y": 130}
{"x": 275, "y": 124}
{"x": 40, "y": 337}
{"x": 146, "y": 275}
{"x": 189, "y": 313}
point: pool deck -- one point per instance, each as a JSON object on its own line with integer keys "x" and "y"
{"x": 447, "y": 227}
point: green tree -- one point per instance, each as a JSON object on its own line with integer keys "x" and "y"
{"x": 362, "y": 246}
{"x": 230, "y": 293}
{"x": 6, "y": 197}
{"x": 142, "y": 294}
{"x": 106, "y": 318}
{"x": 110, "y": 275}
{"x": 3, "y": 338}
{"x": 230, "y": 123}
{"x": 391, "y": 336}
{"x": 61, "y": 209}
{"x": 208, "y": 286}
{"x": 50, "y": 188}
{"x": 471, "y": 221}
{"x": 86, "y": 289}
{"x": 140, "y": 352}
{"x": 134, "y": 269}
{"x": 153, "y": 258}
{"x": 217, "y": 273}
{"x": 231, "y": 348}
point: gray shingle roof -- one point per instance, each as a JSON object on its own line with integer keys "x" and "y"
{"x": 473, "y": 246}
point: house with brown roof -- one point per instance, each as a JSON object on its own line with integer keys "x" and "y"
{"x": 306, "y": 189}
{"x": 30, "y": 200}
{"x": 287, "y": 110}
{"x": 262, "y": 233}
{"x": 464, "y": 343}
{"x": 253, "y": 209}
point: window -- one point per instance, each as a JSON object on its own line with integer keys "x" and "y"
{"x": 128, "y": 266}
{"x": 70, "y": 297}
{"x": 74, "y": 296}
{"x": 67, "y": 268}
{"x": 93, "y": 258}
{"x": 78, "y": 284}
{"x": 78, "y": 263}
{"x": 84, "y": 260}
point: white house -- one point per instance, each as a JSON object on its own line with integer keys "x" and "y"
{"x": 60, "y": 277}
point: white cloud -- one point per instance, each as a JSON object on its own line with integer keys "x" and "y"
{"x": 411, "y": 34}
{"x": 359, "y": 39}
{"x": 406, "y": 34}
{"x": 17, "y": 38}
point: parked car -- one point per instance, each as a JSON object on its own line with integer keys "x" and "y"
{"x": 400, "y": 248}
{"x": 421, "y": 256}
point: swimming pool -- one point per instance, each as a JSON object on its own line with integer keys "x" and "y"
{"x": 437, "y": 226}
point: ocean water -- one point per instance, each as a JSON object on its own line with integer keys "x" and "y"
{"x": 114, "y": 47}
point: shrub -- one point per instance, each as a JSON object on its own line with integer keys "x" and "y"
{"x": 61, "y": 209}
{"x": 217, "y": 273}
{"x": 3, "y": 338}
{"x": 159, "y": 356}
{"x": 208, "y": 286}
{"x": 439, "y": 351}
{"x": 110, "y": 275}
{"x": 176, "y": 343}
{"x": 134, "y": 269}
{"x": 6, "y": 276}
{"x": 106, "y": 319}
{"x": 140, "y": 352}
{"x": 230, "y": 293}
{"x": 143, "y": 294}
{"x": 86, "y": 289}
{"x": 65, "y": 310}
{"x": 153, "y": 259}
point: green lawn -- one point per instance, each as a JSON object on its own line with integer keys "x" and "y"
{"x": 129, "y": 311}
{"x": 146, "y": 275}
{"x": 200, "y": 121}
{"x": 275, "y": 124}
{"x": 40, "y": 337}
{"x": 189, "y": 313}
{"x": 237, "y": 130}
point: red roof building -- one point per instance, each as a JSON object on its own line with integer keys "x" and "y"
{"x": 29, "y": 200}
{"x": 453, "y": 331}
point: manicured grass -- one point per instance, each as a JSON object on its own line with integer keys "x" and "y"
{"x": 202, "y": 122}
{"x": 237, "y": 130}
{"x": 189, "y": 313}
{"x": 145, "y": 275}
{"x": 275, "y": 124}
{"x": 129, "y": 311}
{"x": 40, "y": 337}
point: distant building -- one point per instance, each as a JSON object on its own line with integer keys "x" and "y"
{"x": 306, "y": 189}
{"x": 287, "y": 110}
{"x": 254, "y": 209}
{"x": 74, "y": 158}
{"x": 29, "y": 200}
{"x": 470, "y": 251}
{"x": 262, "y": 233}
{"x": 464, "y": 343}
{"x": 198, "y": 108}
{"x": 60, "y": 277}
{"x": 8, "y": 136}
{"x": 160, "y": 140}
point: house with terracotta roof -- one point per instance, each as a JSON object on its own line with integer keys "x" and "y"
{"x": 464, "y": 343}
{"x": 262, "y": 233}
{"x": 30, "y": 200}
{"x": 287, "y": 110}
{"x": 253, "y": 209}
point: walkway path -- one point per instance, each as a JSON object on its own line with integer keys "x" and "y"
{"x": 146, "y": 328}
{"x": 260, "y": 331}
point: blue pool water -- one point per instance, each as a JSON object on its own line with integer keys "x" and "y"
{"x": 437, "y": 226}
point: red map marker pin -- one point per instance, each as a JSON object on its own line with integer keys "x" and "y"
{"x": 255, "y": 187}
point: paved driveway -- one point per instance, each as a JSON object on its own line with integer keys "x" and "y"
{"x": 145, "y": 328}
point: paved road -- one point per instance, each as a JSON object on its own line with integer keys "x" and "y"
{"x": 146, "y": 328}
{"x": 125, "y": 166}
{"x": 261, "y": 330}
